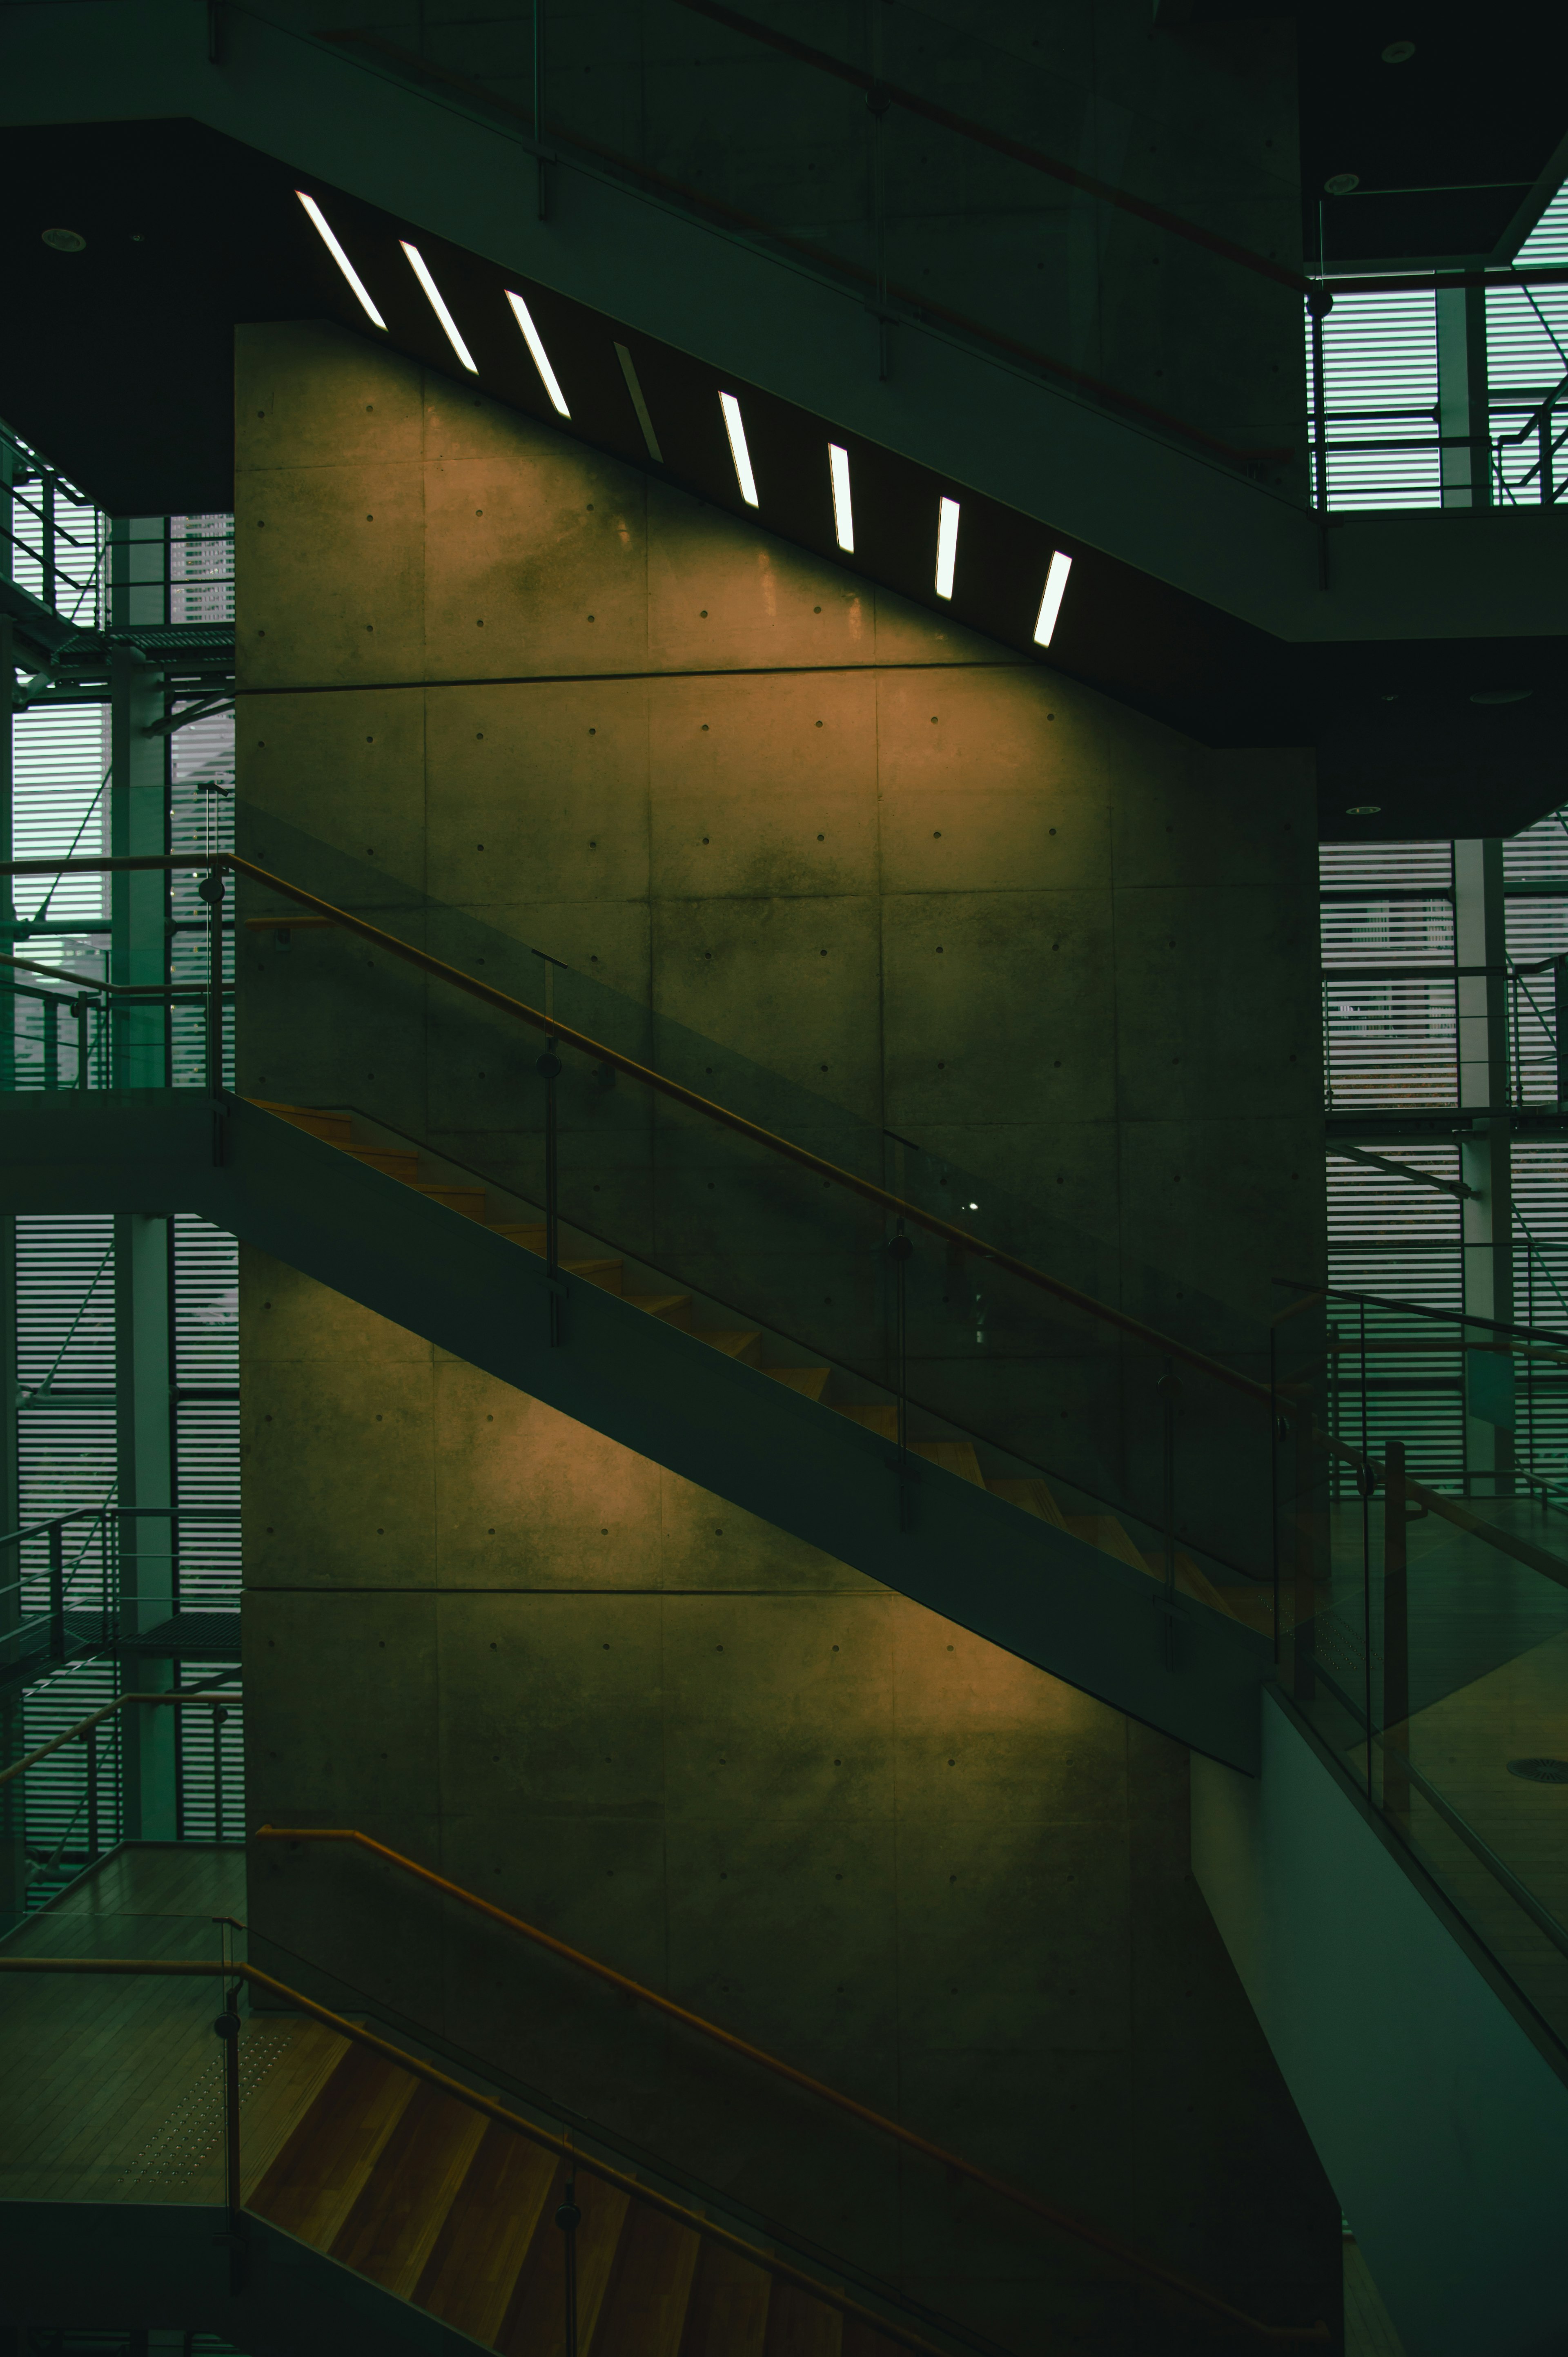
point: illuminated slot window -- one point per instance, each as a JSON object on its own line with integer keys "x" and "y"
{"x": 340, "y": 258}
{"x": 531, "y": 337}
{"x": 738, "y": 449}
{"x": 416, "y": 262}
{"x": 947, "y": 547}
{"x": 1051, "y": 603}
{"x": 844, "y": 512}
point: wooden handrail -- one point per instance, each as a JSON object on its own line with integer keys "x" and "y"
{"x": 173, "y": 1701}
{"x": 1063, "y": 2220}
{"x": 184, "y": 1968}
{"x": 644, "y": 1074}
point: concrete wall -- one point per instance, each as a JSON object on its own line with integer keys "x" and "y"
{"x": 752, "y": 791}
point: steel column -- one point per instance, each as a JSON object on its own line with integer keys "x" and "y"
{"x": 1484, "y": 1157}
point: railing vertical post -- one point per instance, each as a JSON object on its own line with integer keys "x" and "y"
{"x": 549, "y": 1067}
{"x": 227, "y": 2027}
{"x": 57, "y": 1591}
{"x": 90, "y": 1740}
{"x": 1559, "y": 1026}
{"x": 1169, "y": 1389}
{"x": 83, "y": 1066}
{"x": 900, "y": 1252}
{"x": 1396, "y": 1633}
{"x": 1304, "y": 1683}
{"x": 54, "y": 1009}
{"x": 219, "y": 1716}
{"x": 568, "y": 2217}
{"x": 211, "y": 889}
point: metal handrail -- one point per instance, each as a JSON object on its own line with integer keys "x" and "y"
{"x": 1063, "y": 2220}
{"x": 175, "y": 1700}
{"x": 564, "y": 2146}
{"x": 502, "y": 1003}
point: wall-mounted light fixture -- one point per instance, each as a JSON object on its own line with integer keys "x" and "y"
{"x": 437, "y": 303}
{"x": 1051, "y": 603}
{"x": 947, "y": 547}
{"x": 531, "y": 337}
{"x": 342, "y": 259}
{"x": 738, "y": 449}
{"x": 843, "y": 511}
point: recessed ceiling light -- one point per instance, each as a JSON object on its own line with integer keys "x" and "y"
{"x": 1051, "y": 603}
{"x": 947, "y": 547}
{"x": 1398, "y": 52}
{"x": 844, "y": 512}
{"x": 1502, "y": 694}
{"x": 420, "y": 268}
{"x": 1339, "y": 184}
{"x": 524, "y": 319}
{"x": 1362, "y": 810}
{"x": 738, "y": 449}
{"x": 340, "y": 258}
{"x": 65, "y": 241}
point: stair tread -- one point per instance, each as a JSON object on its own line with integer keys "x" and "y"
{"x": 469, "y": 1200}
{"x": 877, "y": 1416}
{"x": 800, "y": 2325}
{"x": 317, "y": 2177}
{"x": 1197, "y": 1584}
{"x": 953, "y": 1456}
{"x": 392, "y": 2229}
{"x": 674, "y": 1308}
{"x": 810, "y": 1381}
{"x": 1104, "y": 1532}
{"x": 485, "y": 2236}
{"x": 736, "y": 1342}
{"x": 391, "y": 1161}
{"x": 645, "y": 2306}
{"x": 1034, "y": 1496}
{"x": 332, "y": 1128}
{"x": 727, "y": 2316}
{"x": 535, "y": 2318}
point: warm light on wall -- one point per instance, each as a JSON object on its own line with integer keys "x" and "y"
{"x": 1051, "y": 603}
{"x": 844, "y": 512}
{"x": 738, "y": 449}
{"x": 437, "y": 304}
{"x": 947, "y": 547}
{"x": 531, "y": 337}
{"x": 340, "y": 258}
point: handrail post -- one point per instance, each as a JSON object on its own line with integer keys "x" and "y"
{"x": 1304, "y": 1683}
{"x": 1560, "y": 1025}
{"x": 219, "y": 1716}
{"x": 211, "y": 891}
{"x": 227, "y": 2028}
{"x": 84, "y": 1067}
{"x": 57, "y": 1591}
{"x": 1169, "y": 1391}
{"x": 549, "y": 1067}
{"x": 1396, "y": 1633}
{"x": 90, "y": 1740}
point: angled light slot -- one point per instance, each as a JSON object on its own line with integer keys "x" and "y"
{"x": 531, "y": 337}
{"x": 738, "y": 449}
{"x": 1051, "y": 603}
{"x": 947, "y": 547}
{"x": 340, "y": 258}
{"x": 416, "y": 262}
{"x": 844, "y": 511}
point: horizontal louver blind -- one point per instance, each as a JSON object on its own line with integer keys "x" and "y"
{"x": 1380, "y": 371}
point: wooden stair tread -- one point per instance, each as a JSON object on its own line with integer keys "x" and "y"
{"x": 283, "y": 2097}
{"x": 1104, "y": 1532}
{"x": 809, "y": 1382}
{"x": 391, "y": 1161}
{"x": 485, "y": 2236}
{"x": 526, "y": 1232}
{"x": 1034, "y": 1497}
{"x": 469, "y": 1200}
{"x": 673, "y": 1308}
{"x": 953, "y": 1456}
{"x": 319, "y": 2174}
{"x": 645, "y": 2306}
{"x": 736, "y": 1343}
{"x": 800, "y": 2325}
{"x": 391, "y": 2230}
{"x": 535, "y": 2325}
{"x": 332, "y": 1128}
{"x": 877, "y": 1416}
{"x": 1197, "y": 1584}
{"x": 728, "y": 2312}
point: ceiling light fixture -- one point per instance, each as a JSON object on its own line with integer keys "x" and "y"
{"x": 1398, "y": 53}
{"x": 1341, "y": 184}
{"x": 417, "y": 264}
{"x": 1054, "y": 591}
{"x": 547, "y": 376}
{"x": 1363, "y": 810}
{"x": 947, "y": 547}
{"x": 738, "y": 449}
{"x": 340, "y": 258}
{"x": 844, "y": 512}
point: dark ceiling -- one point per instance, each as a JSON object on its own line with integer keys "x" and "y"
{"x": 118, "y": 365}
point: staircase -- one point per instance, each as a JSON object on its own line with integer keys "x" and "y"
{"x": 458, "y": 2215}
{"x": 1103, "y": 1532}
